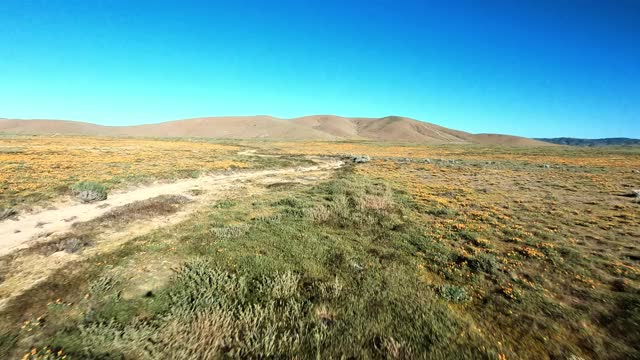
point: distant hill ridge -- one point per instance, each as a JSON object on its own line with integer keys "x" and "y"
{"x": 592, "y": 142}
{"x": 316, "y": 127}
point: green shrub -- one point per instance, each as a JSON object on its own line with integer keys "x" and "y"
{"x": 484, "y": 262}
{"x": 230, "y": 231}
{"x": 443, "y": 212}
{"x": 468, "y": 235}
{"x": 89, "y": 191}
{"x": 453, "y": 293}
{"x": 291, "y": 202}
{"x": 225, "y": 204}
{"x": 102, "y": 285}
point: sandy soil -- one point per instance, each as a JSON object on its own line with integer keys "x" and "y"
{"x": 28, "y": 228}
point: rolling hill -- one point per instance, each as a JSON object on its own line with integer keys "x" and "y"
{"x": 316, "y": 127}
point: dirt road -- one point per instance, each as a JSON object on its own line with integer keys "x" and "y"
{"x": 20, "y": 270}
{"x": 28, "y": 228}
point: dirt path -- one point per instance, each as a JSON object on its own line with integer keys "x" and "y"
{"x": 23, "y": 266}
{"x": 28, "y": 228}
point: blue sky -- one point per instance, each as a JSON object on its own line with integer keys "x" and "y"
{"x": 529, "y": 67}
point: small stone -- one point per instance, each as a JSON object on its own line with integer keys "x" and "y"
{"x": 360, "y": 159}
{"x": 356, "y": 266}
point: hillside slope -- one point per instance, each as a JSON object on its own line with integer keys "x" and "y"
{"x": 402, "y": 129}
{"x": 234, "y": 127}
{"x": 45, "y": 126}
{"x": 316, "y": 127}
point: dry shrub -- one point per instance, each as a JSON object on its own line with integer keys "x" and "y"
{"x": 282, "y": 286}
{"x": 129, "y": 341}
{"x": 395, "y": 349}
{"x": 230, "y": 231}
{"x": 70, "y": 243}
{"x": 340, "y": 207}
{"x": 320, "y": 214}
{"x": 203, "y": 336}
{"x": 157, "y": 206}
{"x": 6, "y": 213}
{"x": 324, "y": 314}
{"x": 381, "y": 203}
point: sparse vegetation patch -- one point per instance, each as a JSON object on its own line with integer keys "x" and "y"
{"x": 6, "y": 213}
{"x": 88, "y": 191}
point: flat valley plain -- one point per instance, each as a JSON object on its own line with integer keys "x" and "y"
{"x": 446, "y": 252}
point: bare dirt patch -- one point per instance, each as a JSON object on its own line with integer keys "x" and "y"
{"x": 40, "y": 225}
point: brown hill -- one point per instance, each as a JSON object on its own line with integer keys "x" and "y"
{"x": 317, "y": 127}
{"x": 395, "y": 128}
{"x": 338, "y": 126}
{"x": 12, "y": 126}
{"x": 390, "y": 128}
{"x": 233, "y": 127}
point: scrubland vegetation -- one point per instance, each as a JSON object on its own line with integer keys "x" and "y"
{"x": 36, "y": 169}
{"x": 422, "y": 252}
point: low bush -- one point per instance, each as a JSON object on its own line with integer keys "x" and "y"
{"x": 320, "y": 214}
{"x": 453, "y": 293}
{"x": 70, "y": 243}
{"x": 230, "y": 231}
{"x": 444, "y": 212}
{"x": 89, "y": 191}
{"x": 484, "y": 262}
{"x": 6, "y": 213}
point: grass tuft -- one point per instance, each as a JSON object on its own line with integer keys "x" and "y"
{"x": 89, "y": 191}
{"x": 453, "y": 293}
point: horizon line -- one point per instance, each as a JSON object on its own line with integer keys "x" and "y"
{"x": 312, "y": 115}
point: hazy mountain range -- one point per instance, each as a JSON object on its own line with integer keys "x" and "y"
{"x": 592, "y": 142}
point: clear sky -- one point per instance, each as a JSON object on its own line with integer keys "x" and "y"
{"x": 528, "y": 67}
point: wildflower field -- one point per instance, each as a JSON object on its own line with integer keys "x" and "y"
{"x": 546, "y": 247}
{"x": 38, "y": 168}
{"x": 443, "y": 252}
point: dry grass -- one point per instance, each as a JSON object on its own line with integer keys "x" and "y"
{"x": 46, "y": 166}
{"x": 161, "y": 205}
{"x": 619, "y": 158}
